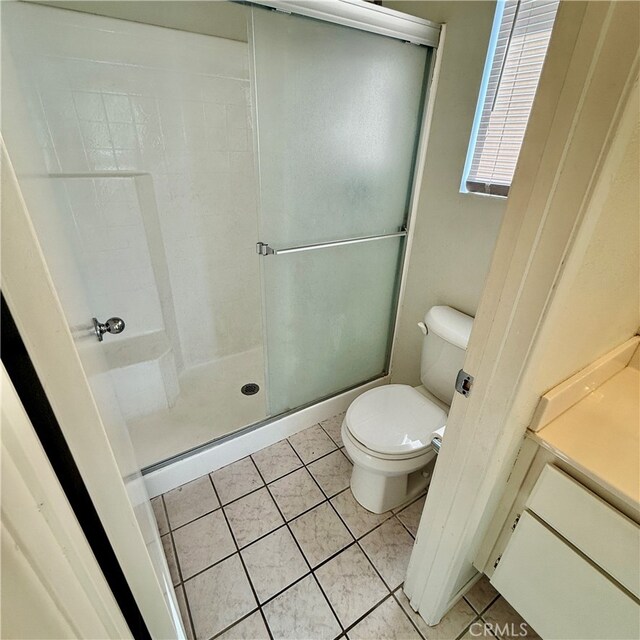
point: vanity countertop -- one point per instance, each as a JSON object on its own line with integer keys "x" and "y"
{"x": 600, "y": 435}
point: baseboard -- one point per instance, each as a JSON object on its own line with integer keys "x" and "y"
{"x": 230, "y": 450}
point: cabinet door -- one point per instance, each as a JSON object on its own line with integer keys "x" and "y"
{"x": 600, "y": 532}
{"x": 560, "y": 593}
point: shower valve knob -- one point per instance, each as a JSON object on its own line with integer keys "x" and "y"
{"x": 112, "y": 325}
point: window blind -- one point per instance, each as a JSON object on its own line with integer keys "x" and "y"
{"x": 520, "y": 49}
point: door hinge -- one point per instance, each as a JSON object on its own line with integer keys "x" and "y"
{"x": 464, "y": 383}
{"x": 497, "y": 562}
{"x": 263, "y": 249}
{"x": 515, "y": 523}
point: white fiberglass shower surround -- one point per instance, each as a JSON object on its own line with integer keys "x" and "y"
{"x": 235, "y": 185}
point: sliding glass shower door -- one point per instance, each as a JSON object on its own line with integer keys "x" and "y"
{"x": 338, "y": 119}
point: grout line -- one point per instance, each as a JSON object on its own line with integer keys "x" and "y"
{"x": 369, "y": 611}
{"x": 238, "y": 621}
{"x": 340, "y": 446}
{"x": 395, "y": 515}
{"x": 181, "y": 583}
{"x": 266, "y": 624}
{"x": 485, "y": 609}
{"x": 262, "y": 537}
{"x": 255, "y": 595}
{"x": 341, "y": 550}
{"x": 327, "y": 499}
{"x": 204, "y": 515}
{"x": 413, "y": 624}
{"x": 468, "y": 626}
{"x": 284, "y": 523}
{"x": 250, "y": 456}
{"x": 300, "y": 548}
{"x": 273, "y": 445}
{"x": 366, "y": 533}
{"x": 384, "y": 582}
{"x": 246, "y": 573}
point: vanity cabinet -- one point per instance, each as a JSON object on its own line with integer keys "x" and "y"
{"x": 571, "y": 566}
{"x": 563, "y": 546}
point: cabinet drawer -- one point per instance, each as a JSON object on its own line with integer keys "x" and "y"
{"x": 598, "y": 530}
{"x": 560, "y": 593}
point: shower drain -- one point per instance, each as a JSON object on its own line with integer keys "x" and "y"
{"x": 250, "y": 389}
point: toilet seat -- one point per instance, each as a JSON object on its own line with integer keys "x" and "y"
{"x": 394, "y": 421}
{"x": 370, "y": 454}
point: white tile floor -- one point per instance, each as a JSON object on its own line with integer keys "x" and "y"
{"x": 290, "y": 553}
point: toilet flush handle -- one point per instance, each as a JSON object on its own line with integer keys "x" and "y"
{"x": 423, "y": 328}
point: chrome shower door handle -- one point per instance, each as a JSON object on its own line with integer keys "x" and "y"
{"x": 112, "y": 325}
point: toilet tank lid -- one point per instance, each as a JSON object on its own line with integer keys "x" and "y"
{"x": 450, "y": 324}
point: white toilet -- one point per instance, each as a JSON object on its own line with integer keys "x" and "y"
{"x": 387, "y": 431}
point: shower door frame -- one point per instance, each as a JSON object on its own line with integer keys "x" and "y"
{"x": 363, "y": 16}
{"x": 187, "y": 465}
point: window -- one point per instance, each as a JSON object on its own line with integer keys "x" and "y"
{"x": 519, "y": 41}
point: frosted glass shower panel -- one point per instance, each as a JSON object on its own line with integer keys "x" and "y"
{"x": 338, "y": 121}
{"x": 329, "y": 316}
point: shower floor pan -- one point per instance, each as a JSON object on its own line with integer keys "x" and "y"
{"x": 210, "y": 405}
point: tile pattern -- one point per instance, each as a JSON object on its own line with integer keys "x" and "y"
{"x": 190, "y": 501}
{"x": 236, "y": 480}
{"x": 273, "y": 563}
{"x": 320, "y": 534}
{"x": 351, "y": 584}
{"x": 410, "y": 516}
{"x": 481, "y": 595}
{"x": 117, "y": 96}
{"x": 502, "y": 616}
{"x": 276, "y": 460}
{"x": 202, "y": 543}
{"x": 301, "y": 564}
{"x": 296, "y": 493}
{"x": 456, "y": 621}
{"x": 312, "y": 443}
{"x": 218, "y": 597}
{"x": 386, "y": 621}
{"x": 333, "y": 427}
{"x": 332, "y": 473}
{"x": 389, "y": 549}
{"x": 252, "y": 626}
{"x": 301, "y": 612}
{"x": 170, "y": 555}
{"x": 253, "y": 516}
{"x": 160, "y": 515}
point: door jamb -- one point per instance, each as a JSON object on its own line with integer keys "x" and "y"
{"x": 585, "y": 86}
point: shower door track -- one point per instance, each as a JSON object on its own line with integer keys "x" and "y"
{"x": 210, "y": 444}
{"x": 364, "y": 16}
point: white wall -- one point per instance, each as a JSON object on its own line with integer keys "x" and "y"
{"x": 455, "y": 232}
{"x": 115, "y": 98}
{"x": 597, "y": 304}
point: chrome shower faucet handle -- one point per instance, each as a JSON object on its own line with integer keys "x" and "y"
{"x": 112, "y": 325}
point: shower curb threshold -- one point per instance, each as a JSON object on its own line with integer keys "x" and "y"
{"x": 211, "y": 456}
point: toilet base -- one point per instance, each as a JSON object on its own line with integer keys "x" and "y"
{"x": 379, "y": 493}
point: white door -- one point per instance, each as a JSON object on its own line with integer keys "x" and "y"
{"x": 52, "y": 586}
{"x": 70, "y": 362}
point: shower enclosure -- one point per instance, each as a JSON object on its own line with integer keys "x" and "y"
{"x": 232, "y": 181}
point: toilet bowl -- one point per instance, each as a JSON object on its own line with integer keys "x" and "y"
{"x": 387, "y": 431}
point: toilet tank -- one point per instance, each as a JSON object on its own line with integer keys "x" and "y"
{"x": 443, "y": 350}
